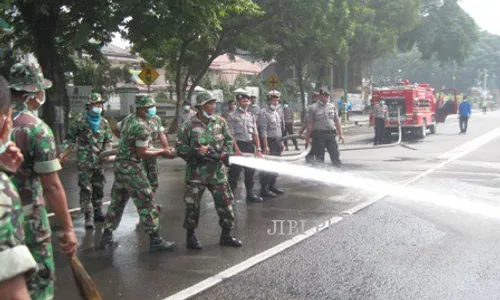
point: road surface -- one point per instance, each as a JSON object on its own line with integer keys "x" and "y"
{"x": 376, "y": 246}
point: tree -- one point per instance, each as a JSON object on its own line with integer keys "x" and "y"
{"x": 187, "y": 36}
{"x": 54, "y": 30}
{"x": 446, "y": 32}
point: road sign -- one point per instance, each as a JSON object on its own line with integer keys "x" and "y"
{"x": 148, "y": 75}
{"x": 273, "y": 82}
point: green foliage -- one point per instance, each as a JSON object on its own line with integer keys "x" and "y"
{"x": 102, "y": 77}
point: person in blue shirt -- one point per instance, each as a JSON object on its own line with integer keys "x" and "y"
{"x": 464, "y": 112}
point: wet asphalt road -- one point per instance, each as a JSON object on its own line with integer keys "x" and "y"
{"x": 393, "y": 249}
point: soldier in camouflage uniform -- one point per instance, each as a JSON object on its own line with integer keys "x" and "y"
{"x": 131, "y": 179}
{"x": 92, "y": 133}
{"x": 205, "y": 143}
{"x": 158, "y": 139}
{"x": 16, "y": 261}
{"x": 37, "y": 179}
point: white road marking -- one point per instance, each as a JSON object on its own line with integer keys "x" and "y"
{"x": 451, "y": 156}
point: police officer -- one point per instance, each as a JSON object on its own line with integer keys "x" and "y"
{"x": 231, "y": 106}
{"x": 380, "y": 113}
{"x": 242, "y": 125}
{"x": 310, "y": 156}
{"x": 205, "y": 143}
{"x": 254, "y": 108}
{"x": 324, "y": 125}
{"x": 92, "y": 133}
{"x": 269, "y": 124}
{"x": 288, "y": 119}
{"x": 131, "y": 179}
{"x": 37, "y": 178}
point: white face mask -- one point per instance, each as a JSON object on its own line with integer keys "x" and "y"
{"x": 273, "y": 107}
{"x": 206, "y": 115}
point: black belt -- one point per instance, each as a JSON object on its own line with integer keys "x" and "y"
{"x": 326, "y": 131}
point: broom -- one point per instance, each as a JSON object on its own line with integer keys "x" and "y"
{"x": 86, "y": 286}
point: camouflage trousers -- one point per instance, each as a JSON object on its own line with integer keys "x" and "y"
{"x": 91, "y": 183}
{"x": 151, "y": 167}
{"x": 38, "y": 240}
{"x": 131, "y": 181}
{"x": 222, "y": 198}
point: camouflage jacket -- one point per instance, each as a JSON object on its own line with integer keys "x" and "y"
{"x": 90, "y": 144}
{"x": 15, "y": 257}
{"x": 135, "y": 132}
{"x": 36, "y": 141}
{"x": 195, "y": 133}
{"x": 156, "y": 129}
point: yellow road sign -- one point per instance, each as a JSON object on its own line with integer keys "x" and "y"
{"x": 273, "y": 82}
{"x": 148, "y": 75}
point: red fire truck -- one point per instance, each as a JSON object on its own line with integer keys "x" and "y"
{"x": 420, "y": 111}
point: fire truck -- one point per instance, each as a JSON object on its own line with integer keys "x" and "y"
{"x": 420, "y": 108}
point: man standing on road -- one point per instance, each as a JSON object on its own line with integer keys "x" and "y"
{"x": 92, "y": 133}
{"x": 205, "y": 143}
{"x": 269, "y": 124}
{"x": 13, "y": 251}
{"x": 230, "y": 109}
{"x": 242, "y": 125}
{"x": 37, "y": 179}
{"x": 186, "y": 114}
{"x": 288, "y": 120}
{"x": 324, "y": 125}
{"x": 254, "y": 108}
{"x": 131, "y": 179}
{"x": 311, "y": 155}
{"x": 380, "y": 114}
{"x": 464, "y": 113}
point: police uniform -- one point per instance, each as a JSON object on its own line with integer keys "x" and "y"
{"x": 288, "y": 124}
{"x": 311, "y": 155}
{"x": 269, "y": 124}
{"x": 206, "y": 171}
{"x": 242, "y": 125}
{"x": 324, "y": 115}
{"x": 380, "y": 113}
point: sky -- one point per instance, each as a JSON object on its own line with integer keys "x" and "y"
{"x": 485, "y": 12}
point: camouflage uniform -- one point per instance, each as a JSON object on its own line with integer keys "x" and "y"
{"x": 36, "y": 141}
{"x": 202, "y": 173}
{"x": 130, "y": 176}
{"x": 15, "y": 257}
{"x": 150, "y": 165}
{"x": 90, "y": 145}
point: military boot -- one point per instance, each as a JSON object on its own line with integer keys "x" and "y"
{"x": 227, "y": 240}
{"x": 276, "y": 190}
{"x": 251, "y": 197}
{"x": 265, "y": 192}
{"x": 98, "y": 215}
{"x": 89, "y": 221}
{"x": 192, "y": 241}
{"x": 157, "y": 243}
{"x": 107, "y": 239}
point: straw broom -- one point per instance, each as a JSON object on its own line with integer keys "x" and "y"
{"x": 86, "y": 286}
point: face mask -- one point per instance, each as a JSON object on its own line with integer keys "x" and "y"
{"x": 186, "y": 108}
{"x": 97, "y": 110}
{"x": 285, "y": 105}
{"x": 242, "y": 108}
{"x": 273, "y": 107}
{"x": 151, "y": 112}
{"x": 382, "y": 102}
{"x": 4, "y": 147}
{"x": 254, "y": 104}
{"x": 41, "y": 102}
{"x": 206, "y": 115}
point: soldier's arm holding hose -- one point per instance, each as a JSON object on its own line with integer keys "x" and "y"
{"x": 142, "y": 145}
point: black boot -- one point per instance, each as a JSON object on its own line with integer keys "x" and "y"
{"x": 251, "y": 197}
{"x": 98, "y": 215}
{"x": 276, "y": 190}
{"x": 107, "y": 239}
{"x": 227, "y": 240}
{"x": 266, "y": 193}
{"x": 192, "y": 241}
{"x": 89, "y": 221}
{"x": 157, "y": 243}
